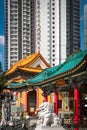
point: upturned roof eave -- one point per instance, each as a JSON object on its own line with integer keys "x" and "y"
{"x": 62, "y": 75}
{"x": 27, "y": 61}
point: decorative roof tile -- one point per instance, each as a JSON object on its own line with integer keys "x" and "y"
{"x": 70, "y": 64}
{"x": 26, "y": 64}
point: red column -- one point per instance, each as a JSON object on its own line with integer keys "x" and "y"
{"x": 45, "y": 97}
{"x": 76, "y": 98}
{"x": 55, "y": 102}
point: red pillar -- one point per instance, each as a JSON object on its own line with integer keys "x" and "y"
{"x": 55, "y": 102}
{"x": 45, "y": 97}
{"x": 76, "y": 99}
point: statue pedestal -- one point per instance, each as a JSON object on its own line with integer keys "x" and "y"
{"x": 49, "y": 128}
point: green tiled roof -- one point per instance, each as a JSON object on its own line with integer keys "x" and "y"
{"x": 16, "y": 85}
{"x": 70, "y": 63}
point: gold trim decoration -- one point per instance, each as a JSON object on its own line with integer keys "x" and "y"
{"x": 61, "y": 82}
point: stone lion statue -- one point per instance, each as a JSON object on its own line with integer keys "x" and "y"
{"x": 47, "y": 117}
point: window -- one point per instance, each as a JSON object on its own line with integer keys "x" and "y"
{"x": 53, "y": 55}
{"x": 53, "y": 4}
{"x": 53, "y": 22}
{"x": 53, "y": 27}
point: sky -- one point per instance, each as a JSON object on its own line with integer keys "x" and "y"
{"x": 83, "y": 2}
{"x": 2, "y": 32}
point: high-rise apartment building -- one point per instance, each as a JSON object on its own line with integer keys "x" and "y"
{"x": 58, "y": 29}
{"x": 49, "y": 26}
{"x": 72, "y": 26}
{"x": 19, "y": 30}
{"x": 85, "y": 26}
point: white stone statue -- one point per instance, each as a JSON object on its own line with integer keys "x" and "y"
{"x": 47, "y": 117}
{"x": 3, "y": 121}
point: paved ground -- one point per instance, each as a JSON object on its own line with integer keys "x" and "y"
{"x": 59, "y": 128}
{"x": 49, "y": 128}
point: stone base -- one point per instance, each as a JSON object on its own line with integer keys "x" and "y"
{"x": 49, "y": 128}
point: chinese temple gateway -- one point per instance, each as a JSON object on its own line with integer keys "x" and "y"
{"x": 25, "y": 99}
{"x": 68, "y": 79}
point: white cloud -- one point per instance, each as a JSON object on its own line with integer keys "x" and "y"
{"x": 2, "y": 39}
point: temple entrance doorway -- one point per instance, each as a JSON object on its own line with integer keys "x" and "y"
{"x": 31, "y": 102}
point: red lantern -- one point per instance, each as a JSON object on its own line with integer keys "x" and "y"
{"x": 15, "y": 94}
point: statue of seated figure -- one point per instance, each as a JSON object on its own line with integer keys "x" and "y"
{"x": 47, "y": 117}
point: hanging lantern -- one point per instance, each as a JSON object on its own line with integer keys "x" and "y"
{"x": 15, "y": 93}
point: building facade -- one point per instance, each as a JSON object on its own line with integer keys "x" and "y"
{"x": 19, "y": 30}
{"x": 51, "y": 27}
{"x": 85, "y": 26}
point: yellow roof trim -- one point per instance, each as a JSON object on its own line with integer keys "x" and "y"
{"x": 39, "y": 55}
{"x": 31, "y": 69}
{"x": 21, "y": 63}
{"x": 26, "y": 62}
